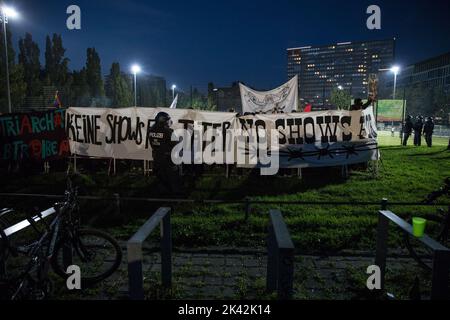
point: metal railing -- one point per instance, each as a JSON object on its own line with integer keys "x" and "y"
{"x": 441, "y": 254}
{"x": 246, "y": 201}
{"x": 135, "y": 256}
{"x": 280, "y": 257}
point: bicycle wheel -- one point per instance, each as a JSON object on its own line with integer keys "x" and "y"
{"x": 422, "y": 254}
{"x": 96, "y": 253}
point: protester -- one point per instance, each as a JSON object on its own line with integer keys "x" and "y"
{"x": 358, "y": 105}
{"x": 407, "y": 129}
{"x": 428, "y": 129}
{"x": 418, "y": 127}
{"x": 160, "y": 140}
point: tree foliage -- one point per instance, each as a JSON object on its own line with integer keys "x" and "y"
{"x": 29, "y": 58}
{"x": 94, "y": 74}
{"x": 17, "y": 84}
{"x": 119, "y": 88}
{"x": 56, "y": 64}
{"x": 341, "y": 99}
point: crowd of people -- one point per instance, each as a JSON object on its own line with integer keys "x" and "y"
{"x": 419, "y": 127}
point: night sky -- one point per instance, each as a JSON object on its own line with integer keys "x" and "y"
{"x": 193, "y": 42}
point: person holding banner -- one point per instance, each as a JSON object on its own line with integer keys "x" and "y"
{"x": 358, "y": 105}
{"x": 162, "y": 144}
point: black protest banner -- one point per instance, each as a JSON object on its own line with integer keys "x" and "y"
{"x": 38, "y": 136}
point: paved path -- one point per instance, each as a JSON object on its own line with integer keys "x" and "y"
{"x": 237, "y": 276}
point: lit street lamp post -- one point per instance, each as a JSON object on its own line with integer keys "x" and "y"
{"x": 173, "y": 91}
{"x": 395, "y": 70}
{"x": 135, "y": 69}
{"x": 6, "y": 13}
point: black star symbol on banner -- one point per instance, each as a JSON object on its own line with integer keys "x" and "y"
{"x": 350, "y": 150}
{"x": 324, "y": 152}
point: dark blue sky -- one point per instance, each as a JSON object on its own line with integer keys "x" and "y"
{"x": 193, "y": 42}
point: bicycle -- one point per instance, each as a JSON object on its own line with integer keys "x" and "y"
{"x": 437, "y": 224}
{"x": 61, "y": 244}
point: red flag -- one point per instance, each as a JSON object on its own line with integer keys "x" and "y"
{"x": 57, "y": 102}
{"x": 308, "y": 108}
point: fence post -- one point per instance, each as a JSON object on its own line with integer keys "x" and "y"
{"x": 136, "y": 288}
{"x": 145, "y": 168}
{"x": 440, "y": 277}
{"x": 384, "y": 203}
{"x": 344, "y": 171}
{"x": 382, "y": 238}
{"x": 117, "y": 197}
{"x": 247, "y": 208}
{"x": 272, "y": 261}
{"x": 166, "y": 251}
{"x": 285, "y": 273}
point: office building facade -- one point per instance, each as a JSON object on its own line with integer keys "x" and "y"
{"x": 340, "y": 66}
{"x": 430, "y": 73}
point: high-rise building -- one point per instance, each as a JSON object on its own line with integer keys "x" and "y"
{"x": 340, "y": 66}
{"x": 227, "y": 98}
{"x": 430, "y": 73}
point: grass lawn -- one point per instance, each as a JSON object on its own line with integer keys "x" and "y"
{"x": 405, "y": 174}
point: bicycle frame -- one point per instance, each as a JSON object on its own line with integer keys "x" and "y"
{"x": 39, "y": 262}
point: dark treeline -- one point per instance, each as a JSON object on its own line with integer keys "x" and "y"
{"x": 34, "y": 84}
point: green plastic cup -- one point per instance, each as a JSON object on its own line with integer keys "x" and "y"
{"x": 419, "y": 226}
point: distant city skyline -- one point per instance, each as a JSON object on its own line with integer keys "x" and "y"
{"x": 195, "y": 42}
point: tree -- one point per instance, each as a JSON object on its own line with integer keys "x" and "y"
{"x": 56, "y": 65}
{"x": 29, "y": 59}
{"x": 94, "y": 74}
{"x": 17, "y": 84}
{"x": 341, "y": 99}
{"x": 118, "y": 90}
{"x": 80, "y": 95}
{"x": 199, "y": 101}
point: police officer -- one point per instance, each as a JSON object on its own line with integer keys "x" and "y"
{"x": 160, "y": 140}
{"x": 418, "y": 127}
{"x": 428, "y": 129}
{"x": 407, "y": 130}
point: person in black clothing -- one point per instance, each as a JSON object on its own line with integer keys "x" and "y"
{"x": 407, "y": 130}
{"x": 358, "y": 105}
{"x": 160, "y": 140}
{"x": 418, "y": 127}
{"x": 428, "y": 129}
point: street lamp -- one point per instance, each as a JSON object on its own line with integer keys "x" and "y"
{"x": 135, "y": 69}
{"x": 7, "y": 12}
{"x": 173, "y": 91}
{"x": 340, "y": 87}
{"x": 395, "y": 70}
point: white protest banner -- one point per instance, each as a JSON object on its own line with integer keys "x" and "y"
{"x": 318, "y": 139}
{"x": 283, "y": 98}
{"x": 123, "y": 133}
{"x": 313, "y": 139}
